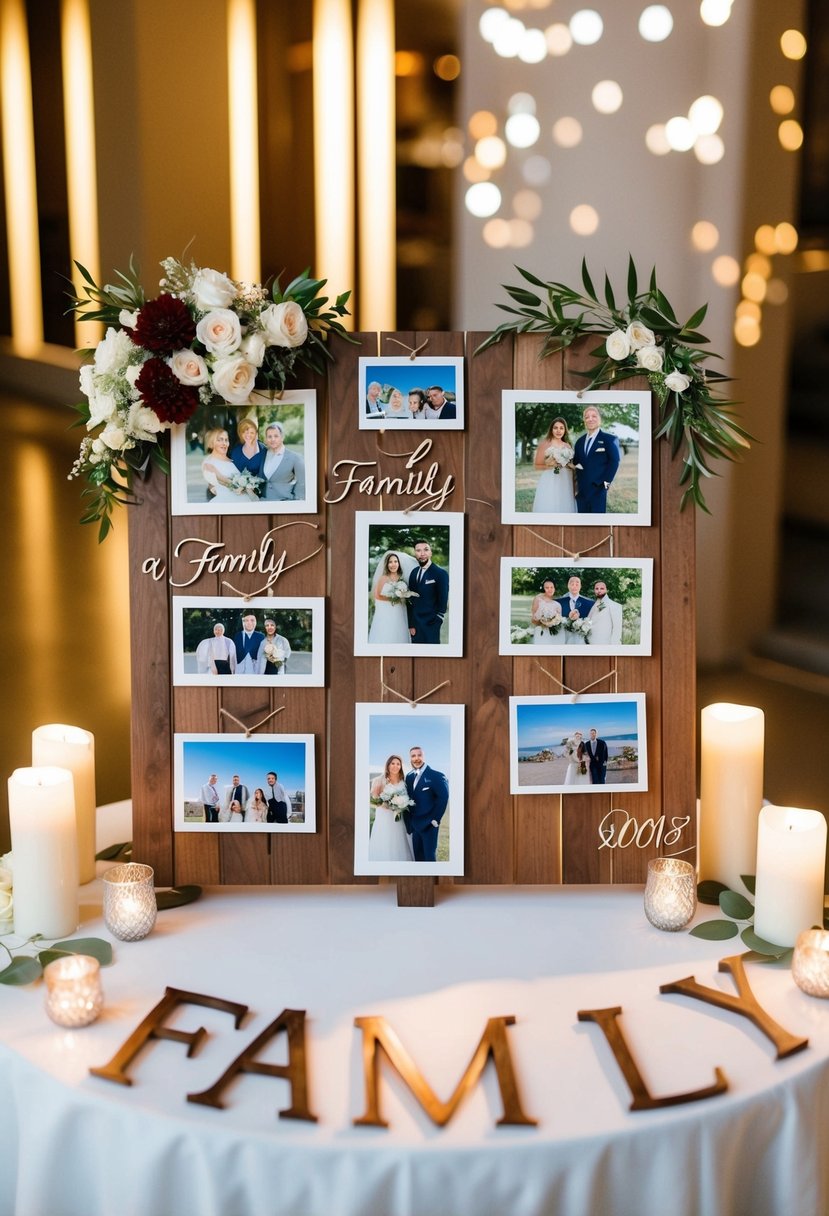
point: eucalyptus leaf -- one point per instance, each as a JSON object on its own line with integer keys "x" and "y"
{"x": 760, "y": 946}
{"x": 749, "y": 881}
{"x": 715, "y": 930}
{"x": 96, "y": 946}
{"x": 177, "y": 897}
{"x": 735, "y": 905}
{"x": 21, "y": 970}
{"x": 708, "y": 892}
{"x": 114, "y": 851}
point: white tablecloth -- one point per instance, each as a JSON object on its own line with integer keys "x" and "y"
{"x": 75, "y": 1145}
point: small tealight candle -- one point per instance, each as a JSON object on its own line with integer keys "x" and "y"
{"x": 791, "y": 855}
{"x": 129, "y": 901}
{"x": 74, "y": 996}
{"x": 73, "y": 748}
{"x": 810, "y": 962}
{"x": 670, "y": 893}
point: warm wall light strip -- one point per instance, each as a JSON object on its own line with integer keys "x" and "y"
{"x": 243, "y": 122}
{"x": 19, "y": 173}
{"x": 376, "y": 163}
{"x": 81, "y": 168}
{"x": 334, "y": 144}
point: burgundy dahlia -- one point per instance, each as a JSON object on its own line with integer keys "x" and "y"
{"x": 171, "y": 400}
{"x": 164, "y": 325}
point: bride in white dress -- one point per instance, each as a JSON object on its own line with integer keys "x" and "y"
{"x": 389, "y": 840}
{"x": 578, "y": 758}
{"x": 555, "y": 493}
{"x": 390, "y": 623}
{"x": 218, "y": 471}
{"x": 545, "y": 615}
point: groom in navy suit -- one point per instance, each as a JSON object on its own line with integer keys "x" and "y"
{"x": 575, "y": 605}
{"x": 597, "y": 751}
{"x": 429, "y": 790}
{"x": 596, "y": 462}
{"x": 428, "y": 605}
{"x": 247, "y": 643}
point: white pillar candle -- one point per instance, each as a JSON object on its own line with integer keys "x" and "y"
{"x": 73, "y": 748}
{"x": 731, "y": 791}
{"x": 44, "y": 851}
{"x": 791, "y": 855}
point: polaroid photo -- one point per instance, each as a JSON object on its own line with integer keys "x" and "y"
{"x": 259, "y": 458}
{"x": 591, "y": 606}
{"x": 597, "y": 744}
{"x": 422, "y": 394}
{"x": 409, "y": 789}
{"x": 575, "y": 459}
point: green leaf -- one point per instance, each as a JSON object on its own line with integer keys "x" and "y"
{"x": 96, "y": 946}
{"x": 608, "y": 294}
{"x": 696, "y": 319}
{"x": 708, "y": 892}
{"x": 632, "y": 282}
{"x": 588, "y": 282}
{"x": 749, "y": 881}
{"x": 21, "y": 970}
{"x": 715, "y": 930}
{"x": 760, "y": 946}
{"x": 735, "y": 905}
{"x": 177, "y": 897}
{"x": 115, "y": 851}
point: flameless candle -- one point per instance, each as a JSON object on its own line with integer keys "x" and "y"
{"x": 731, "y": 791}
{"x": 73, "y": 748}
{"x": 74, "y": 996}
{"x": 129, "y": 901}
{"x": 791, "y": 854}
{"x": 670, "y": 893}
{"x": 45, "y": 851}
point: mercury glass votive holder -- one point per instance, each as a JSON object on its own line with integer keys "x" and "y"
{"x": 129, "y": 901}
{"x": 810, "y": 962}
{"x": 670, "y": 893}
{"x": 74, "y": 996}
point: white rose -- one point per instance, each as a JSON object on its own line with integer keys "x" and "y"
{"x": 639, "y": 335}
{"x": 284, "y": 324}
{"x": 115, "y": 437}
{"x": 234, "y": 379}
{"x": 128, "y": 319}
{"x": 211, "y": 289}
{"x": 676, "y": 382}
{"x": 113, "y": 351}
{"x": 649, "y": 357}
{"x": 220, "y": 331}
{"x": 101, "y": 407}
{"x": 98, "y": 447}
{"x": 617, "y": 344}
{"x": 144, "y": 423}
{"x": 253, "y": 348}
{"x": 132, "y": 373}
{"x": 188, "y": 367}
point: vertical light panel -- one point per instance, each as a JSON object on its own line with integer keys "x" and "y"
{"x": 334, "y": 144}
{"x": 376, "y": 163}
{"x": 243, "y": 118}
{"x": 19, "y": 171}
{"x": 81, "y": 168}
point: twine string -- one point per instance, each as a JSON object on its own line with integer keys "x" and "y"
{"x": 575, "y": 693}
{"x": 250, "y": 729}
{"x": 413, "y": 351}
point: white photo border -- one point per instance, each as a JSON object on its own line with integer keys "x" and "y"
{"x": 261, "y": 607}
{"x": 411, "y": 718}
{"x": 181, "y": 505}
{"x": 454, "y": 521}
{"x": 258, "y": 744}
{"x": 510, "y": 398}
{"x": 425, "y": 363}
{"x": 558, "y": 645}
{"x": 577, "y": 707}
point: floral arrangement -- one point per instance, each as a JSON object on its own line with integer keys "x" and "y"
{"x": 558, "y": 458}
{"x": 391, "y": 798}
{"x": 274, "y": 653}
{"x": 245, "y": 482}
{"x": 641, "y": 336}
{"x": 519, "y": 634}
{"x": 550, "y": 618}
{"x": 579, "y": 625}
{"x": 396, "y": 592}
{"x": 204, "y": 337}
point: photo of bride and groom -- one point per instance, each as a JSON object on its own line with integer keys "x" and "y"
{"x": 409, "y": 790}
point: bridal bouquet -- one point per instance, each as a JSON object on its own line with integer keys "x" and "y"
{"x": 274, "y": 653}
{"x": 558, "y": 458}
{"x": 205, "y": 338}
{"x": 398, "y": 593}
{"x": 391, "y": 798}
{"x": 580, "y": 625}
{"x": 244, "y": 481}
{"x": 552, "y": 621}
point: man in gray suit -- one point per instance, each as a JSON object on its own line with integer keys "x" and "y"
{"x": 284, "y": 471}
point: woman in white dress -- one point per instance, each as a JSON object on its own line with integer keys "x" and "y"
{"x": 218, "y": 471}
{"x": 389, "y": 840}
{"x": 397, "y": 407}
{"x": 555, "y": 493}
{"x": 545, "y": 615}
{"x": 237, "y": 814}
{"x": 578, "y": 761}
{"x": 217, "y": 655}
{"x": 257, "y": 811}
{"x": 390, "y": 623}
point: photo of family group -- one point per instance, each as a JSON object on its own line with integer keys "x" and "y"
{"x": 408, "y": 584}
{"x": 409, "y": 793}
{"x": 252, "y": 459}
{"x": 227, "y": 783}
{"x": 562, "y": 746}
{"x": 572, "y": 458}
{"x": 601, "y": 604}
{"x": 227, "y": 642}
{"x": 416, "y": 394}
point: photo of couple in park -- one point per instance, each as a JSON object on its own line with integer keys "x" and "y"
{"x": 408, "y": 584}
{"x": 562, "y": 746}
{"x": 409, "y": 789}
{"x": 576, "y": 458}
{"x": 253, "y": 459}
{"x": 603, "y": 605}
{"x": 418, "y": 394}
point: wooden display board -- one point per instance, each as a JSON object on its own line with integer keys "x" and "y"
{"x": 524, "y": 839}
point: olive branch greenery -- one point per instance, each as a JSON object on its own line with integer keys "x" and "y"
{"x": 646, "y": 339}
